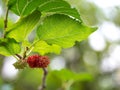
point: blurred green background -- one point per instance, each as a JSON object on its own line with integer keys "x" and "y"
{"x": 93, "y": 64}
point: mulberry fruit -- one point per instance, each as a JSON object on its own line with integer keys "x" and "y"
{"x": 37, "y": 61}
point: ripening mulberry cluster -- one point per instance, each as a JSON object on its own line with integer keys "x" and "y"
{"x": 37, "y": 61}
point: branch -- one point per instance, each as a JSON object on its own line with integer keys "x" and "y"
{"x": 5, "y": 21}
{"x": 24, "y": 54}
{"x": 43, "y": 85}
{"x": 18, "y": 56}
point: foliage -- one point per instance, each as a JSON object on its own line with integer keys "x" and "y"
{"x": 9, "y": 47}
{"x": 57, "y": 26}
{"x": 58, "y": 15}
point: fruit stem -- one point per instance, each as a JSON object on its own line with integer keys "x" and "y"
{"x": 43, "y": 85}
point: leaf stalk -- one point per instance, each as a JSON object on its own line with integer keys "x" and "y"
{"x": 5, "y": 22}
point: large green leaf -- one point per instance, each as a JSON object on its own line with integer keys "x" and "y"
{"x": 59, "y": 7}
{"x": 63, "y": 31}
{"x": 42, "y": 47}
{"x": 66, "y": 75}
{"x": 23, "y": 27}
{"x": 9, "y": 47}
{"x": 25, "y": 7}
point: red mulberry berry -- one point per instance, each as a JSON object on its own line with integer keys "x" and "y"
{"x": 43, "y": 62}
{"x": 32, "y": 60}
{"x": 37, "y": 61}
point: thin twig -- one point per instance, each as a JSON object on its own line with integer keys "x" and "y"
{"x": 29, "y": 51}
{"x": 43, "y": 85}
{"x": 15, "y": 57}
{"x": 24, "y": 54}
{"x": 20, "y": 57}
{"x": 6, "y": 21}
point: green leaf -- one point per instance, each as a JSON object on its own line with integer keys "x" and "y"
{"x": 20, "y": 30}
{"x": 63, "y": 31}
{"x": 20, "y": 64}
{"x": 9, "y": 23}
{"x": 9, "y": 47}
{"x": 10, "y": 3}
{"x": 25, "y": 7}
{"x": 26, "y": 43}
{"x": 42, "y": 48}
{"x": 66, "y": 75}
{"x": 58, "y": 7}
{"x": 53, "y": 82}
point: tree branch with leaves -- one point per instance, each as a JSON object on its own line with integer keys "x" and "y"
{"x": 57, "y": 26}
